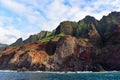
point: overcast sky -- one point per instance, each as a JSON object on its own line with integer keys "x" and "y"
{"x": 20, "y": 18}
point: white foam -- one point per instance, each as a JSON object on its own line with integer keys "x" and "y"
{"x": 7, "y": 71}
{"x": 59, "y": 72}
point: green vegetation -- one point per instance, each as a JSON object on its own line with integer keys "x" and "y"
{"x": 39, "y": 36}
{"x": 43, "y": 34}
{"x": 52, "y": 37}
{"x": 81, "y": 29}
{"x": 83, "y": 26}
{"x": 105, "y": 25}
{"x": 77, "y": 29}
{"x": 66, "y": 27}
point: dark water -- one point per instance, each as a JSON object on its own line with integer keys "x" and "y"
{"x": 59, "y": 76}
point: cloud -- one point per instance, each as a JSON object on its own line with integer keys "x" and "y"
{"x": 14, "y": 6}
{"x": 8, "y": 35}
{"x": 29, "y": 17}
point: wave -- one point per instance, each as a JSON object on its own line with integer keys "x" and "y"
{"x": 7, "y": 71}
{"x": 58, "y": 72}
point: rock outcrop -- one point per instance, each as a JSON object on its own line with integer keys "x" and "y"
{"x": 19, "y": 42}
{"x": 31, "y": 39}
{"x": 54, "y": 56}
{"x": 66, "y": 27}
{"x": 31, "y": 56}
{"x": 88, "y": 45}
{"x": 115, "y": 36}
{"x": 73, "y": 54}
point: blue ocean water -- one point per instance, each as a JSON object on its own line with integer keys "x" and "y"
{"x": 7, "y": 75}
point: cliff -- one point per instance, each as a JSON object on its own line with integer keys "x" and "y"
{"x": 86, "y": 45}
{"x": 31, "y": 39}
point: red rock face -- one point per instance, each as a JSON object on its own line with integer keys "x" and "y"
{"x": 94, "y": 37}
{"x": 65, "y": 47}
{"x": 82, "y": 52}
{"x": 67, "y": 54}
{"x": 109, "y": 57}
{"x": 71, "y": 55}
{"x": 25, "y": 57}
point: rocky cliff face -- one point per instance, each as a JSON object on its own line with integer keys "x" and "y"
{"x": 115, "y": 36}
{"x": 87, "y": 45}
{"x": 32, "y": 38}
{"x": 31, "y": 56}
{"x": 48, "y": 56}
{"x": 19, "y": 42}
{"x": 66, "y": 27}
{"x": 73, "y": 54}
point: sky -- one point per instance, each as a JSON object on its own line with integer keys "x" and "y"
{"x": 21, "y": 18}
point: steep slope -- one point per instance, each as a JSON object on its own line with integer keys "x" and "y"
{"x": 48, "y": 56}
{"x": 31, "y": 56}
{"x": 85, "y": 45}
{"x": 32, "y": 38}
{"x": 66, "y": 27}
{"x": 106, "y": 23}
{"x": 83, "y": 26}
{"x": 19, "y": 42}
{"x": 66, "y": 54}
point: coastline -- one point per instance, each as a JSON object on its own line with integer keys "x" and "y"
{"x": 57, "y": 72}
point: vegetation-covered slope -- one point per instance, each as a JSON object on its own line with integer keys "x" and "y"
{"x": 85, "y": 45}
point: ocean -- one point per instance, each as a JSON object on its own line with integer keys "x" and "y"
{"x": 13, "y": 75}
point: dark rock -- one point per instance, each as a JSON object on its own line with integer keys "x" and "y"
{"x": 19, "y": 42}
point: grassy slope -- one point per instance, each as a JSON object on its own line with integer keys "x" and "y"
{"x": 51, "y": 37}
